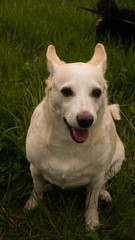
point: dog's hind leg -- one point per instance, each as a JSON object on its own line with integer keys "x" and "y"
{"x": 114, "y": 168}
{"x": 117, "y": 160}
{"x": 38, "y": 189}
{"x": 105, "y": 195}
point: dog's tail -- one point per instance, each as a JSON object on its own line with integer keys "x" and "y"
{"x": 115, "y": 111}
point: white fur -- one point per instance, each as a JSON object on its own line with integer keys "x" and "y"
{"x": 52, "y": 153}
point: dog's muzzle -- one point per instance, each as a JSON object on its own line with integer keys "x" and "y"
{"x": 80, "y": 135}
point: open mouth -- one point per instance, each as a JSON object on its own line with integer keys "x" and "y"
{"x": 79, "y": 136}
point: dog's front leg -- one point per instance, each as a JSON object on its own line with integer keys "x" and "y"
{"x": 38, "y": 188}
{"x": 93, "y": 189}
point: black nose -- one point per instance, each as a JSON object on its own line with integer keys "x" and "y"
{"x": 85, "y": 120}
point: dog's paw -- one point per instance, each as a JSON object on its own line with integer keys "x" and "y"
{"x": 31, "y": 203}
{"x": 92, "y": 225}
{"x": 48, "y": 187}
{"x": 105, "y": 195}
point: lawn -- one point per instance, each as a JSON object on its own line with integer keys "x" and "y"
{"x": 26, "y": 29}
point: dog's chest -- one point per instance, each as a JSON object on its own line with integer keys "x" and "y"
{"x": 69, "y": 168}
{"x": 66, "y": 174}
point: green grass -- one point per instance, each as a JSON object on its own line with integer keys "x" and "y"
{"x": 26, "y": 29}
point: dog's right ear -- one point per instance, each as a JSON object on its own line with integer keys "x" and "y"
{"x": 53, "y": 61}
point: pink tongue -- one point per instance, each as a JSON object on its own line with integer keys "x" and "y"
{"x": 80, "y": 135}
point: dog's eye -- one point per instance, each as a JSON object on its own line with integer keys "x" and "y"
{"x": 96, "y": 93}
{"x": 67, "y": 92}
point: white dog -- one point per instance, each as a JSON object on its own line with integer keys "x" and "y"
{"x": 72, "y": 139}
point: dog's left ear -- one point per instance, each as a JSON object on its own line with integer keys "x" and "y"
{"x": 53, "y": 61}
{"x": 99, "y": 58}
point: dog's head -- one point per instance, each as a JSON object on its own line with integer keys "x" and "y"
{"x": 77, "y": 91}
